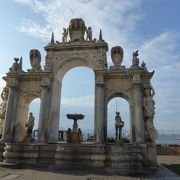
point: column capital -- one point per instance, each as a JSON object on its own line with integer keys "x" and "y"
{"x": 12, "y": 83}
{"x": 100, "y": 77}
{"x": 45, "y": 82}
{"x": 99, "y": 80}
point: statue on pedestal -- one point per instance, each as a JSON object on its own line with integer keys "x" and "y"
{"x": 64, "y": 35}
{"x": 17, "y": 65}
{"x": 29, "y": 128}
{"x": 119, "y": 124}
{"x": 89, "y": 34}
{"x": 35, "y": 59}
{"x": 148, "y": 103}
{"x": 3, "y": 106}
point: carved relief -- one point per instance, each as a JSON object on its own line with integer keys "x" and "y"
{"x": 77, "y": 30}
{"x": 3, "y": 107}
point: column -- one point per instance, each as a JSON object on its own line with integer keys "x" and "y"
{"x": 100, "y": 124}
{"x": 44, "y": 114}
{"x": 54, "y": 111}
{"x": 10, "y": 117}
{"x": 132, "y": 125}
{"x": 138, "y": 110}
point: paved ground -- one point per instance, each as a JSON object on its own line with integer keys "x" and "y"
{"x": 30, "y": 174}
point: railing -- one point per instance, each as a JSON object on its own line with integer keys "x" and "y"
{"x": 165, "y": 137}
{"x": 168, "y": 137}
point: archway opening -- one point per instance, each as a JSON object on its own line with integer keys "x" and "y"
{"x": 34, "y": 107}
{"x": 77, "y": 96}
{"x": 118, "y": 104}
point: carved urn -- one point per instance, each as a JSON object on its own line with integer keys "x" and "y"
{"x": 77, "y": 30}
{"x": 117, "y": 55}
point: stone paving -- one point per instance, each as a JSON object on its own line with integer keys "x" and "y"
{"x": 37, "y": 174}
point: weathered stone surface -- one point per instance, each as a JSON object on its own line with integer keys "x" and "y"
{"x": 46, "y": 84}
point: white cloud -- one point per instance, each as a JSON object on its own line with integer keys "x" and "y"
{"x": 35, "y": 30}
{"x": 161, "y": 50}
{"x": 84, "y": 102}
{"x": 117, "y": 18}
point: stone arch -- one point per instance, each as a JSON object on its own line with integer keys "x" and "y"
{"x": 63, "y": 67}
{"x": 126, "y": 96}
{"x": 72, "y": 62}
{"x": 77, "y": 86}
{"x": 22, "y": 113}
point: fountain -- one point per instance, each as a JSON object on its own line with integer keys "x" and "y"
{"x": 74, "y": 135}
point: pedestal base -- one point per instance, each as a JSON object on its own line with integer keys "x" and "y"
{"x": 125, "y": 158}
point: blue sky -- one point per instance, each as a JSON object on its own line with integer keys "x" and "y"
{"x": 151, "y": 26}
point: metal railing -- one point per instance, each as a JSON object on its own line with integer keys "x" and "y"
{"x": 165, "y": 137}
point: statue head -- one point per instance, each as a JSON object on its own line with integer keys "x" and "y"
{"x": 147, "y": 91}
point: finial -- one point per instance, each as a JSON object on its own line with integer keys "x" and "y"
{"x": 20, "y": 62}
{"x": 52, "y": 38}
{"x": 100, "y": 35}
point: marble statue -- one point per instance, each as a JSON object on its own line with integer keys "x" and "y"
{"x": 149, "y": 111}
{"x": 4, "y": 96}
{"x": 89, "y": 34}
{"x": 35, "y": 59}
{"x": 17, "y": 65}
{"x": 135, "y": 60}
{"x": 64, "y": 35}
{"x": 119, "y": 124}
{"x": 29, "y": 128}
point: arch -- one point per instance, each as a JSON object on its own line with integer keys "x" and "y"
{"x": 126, "y": 96}
{"x": 64, "y": 66}
{"x": 72, "y": 62}
{"x": 22, "y": 113}
{"x": 80, "y": 105}
{"x": 119, "y": 94}
{"x": 121, "y": 105}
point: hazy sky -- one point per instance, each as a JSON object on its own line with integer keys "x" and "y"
{"x": 151, "y": 26}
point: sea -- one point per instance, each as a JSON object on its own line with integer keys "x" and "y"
{"x": 165, "y": 137}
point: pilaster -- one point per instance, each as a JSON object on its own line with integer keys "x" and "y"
{"x": 138, "y": 107}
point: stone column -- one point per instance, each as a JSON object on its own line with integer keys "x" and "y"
{"x": 99, "y": 124}
{"x": 44, "y": 111}
{"x": 8, "y": 132}
{"x": 54, "y": 111}
{"x": 138, "y": 109}
{"x": 132, "y": 124}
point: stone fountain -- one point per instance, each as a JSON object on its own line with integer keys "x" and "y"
{"x": 74, "y": 135}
